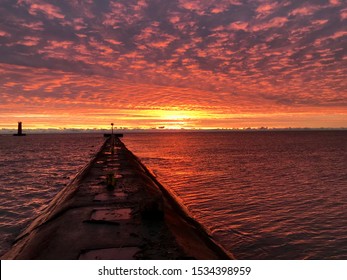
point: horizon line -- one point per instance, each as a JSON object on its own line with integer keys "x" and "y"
{"x": 102, "y": 130}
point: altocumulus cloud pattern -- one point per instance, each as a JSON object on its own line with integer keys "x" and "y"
{"x": 222, "y": 58}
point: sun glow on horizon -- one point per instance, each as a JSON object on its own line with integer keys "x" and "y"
{"x": 168, "y": 119}
{"x": 199, "y": 65}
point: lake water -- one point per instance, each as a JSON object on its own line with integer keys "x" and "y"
{"x": 33, "y": 169}
{"x": 263, "y": 195}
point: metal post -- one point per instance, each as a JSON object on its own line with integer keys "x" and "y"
{"x": 112, "y": 141}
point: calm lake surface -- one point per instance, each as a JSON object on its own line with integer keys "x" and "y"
{"x": 263, "y": 195}
{"x": 33, "y": 169}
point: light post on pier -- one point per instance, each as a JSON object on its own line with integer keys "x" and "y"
{"x": 112, "y": 141}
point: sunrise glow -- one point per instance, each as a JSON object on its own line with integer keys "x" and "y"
{"x": 173, "y": 64}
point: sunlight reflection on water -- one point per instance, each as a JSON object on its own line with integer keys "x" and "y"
{"x": 32, "y": 170}
{"x": 264, "y": 195}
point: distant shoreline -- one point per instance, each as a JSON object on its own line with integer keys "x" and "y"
{"x": 102, "y": 131}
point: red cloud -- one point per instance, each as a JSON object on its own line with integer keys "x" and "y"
{"x": 335, "y": 2}
{"x": 304, "y": 11}
{"x": 49, "y": 10}
{"x": 134, "y": 55}
{"x": 343, "y": 14}
{"x": 266, "y": 9}
{"x": 239, "y": 26}
{"x": 273, "y": 23}
{"x": 37, "y": 26}
{"x": 3, "y": 34}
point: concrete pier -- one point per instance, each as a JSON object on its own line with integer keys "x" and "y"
{"x": 115, "y": 209}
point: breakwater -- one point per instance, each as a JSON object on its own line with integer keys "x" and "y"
{"x": 115, "y": 209}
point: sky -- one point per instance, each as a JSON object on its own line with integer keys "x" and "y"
{"x": 173, "y": 63}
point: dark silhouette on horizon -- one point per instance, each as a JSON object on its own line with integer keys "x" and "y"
{"x": 20, "y": 133}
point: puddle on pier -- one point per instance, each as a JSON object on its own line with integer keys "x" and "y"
{"x": 110, "y": 215}
{"x": 110, "y": 196}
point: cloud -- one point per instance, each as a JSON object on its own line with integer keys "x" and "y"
{"x": 4, "y": 34}
{"x": 343, "y": 14}
{"x": 204, "y": 7}
{"x": 152, "y": 36}
{"x": 273, "y": 23}
{"x": 196, "y": 6}
{"x": 223, "y": 6}
{"x": 319, "y": 22}
{"x": 304, "y": 10}
{"x": 335, "y": 2}
{"x": 114, "y": 42}
{"x": 339, "y": 34}
{"x": 49, "y": 10}
{"x": 266, "y": 9}
{"x": 239, "y": 25}
{"x": 226, "y": 55}
{"x": 36, "y": 26}
{"x": 30, "y": 41}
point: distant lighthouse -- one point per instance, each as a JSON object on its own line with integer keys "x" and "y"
{"x": 19, "y": 130}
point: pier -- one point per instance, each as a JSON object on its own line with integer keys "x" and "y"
{"x": 115, "y": 209}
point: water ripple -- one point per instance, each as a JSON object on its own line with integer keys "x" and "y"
{"x": 264, "y": 195}
{"x": 32, "y": 170}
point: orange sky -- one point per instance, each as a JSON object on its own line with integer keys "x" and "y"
{"x": 178, "y": 64}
